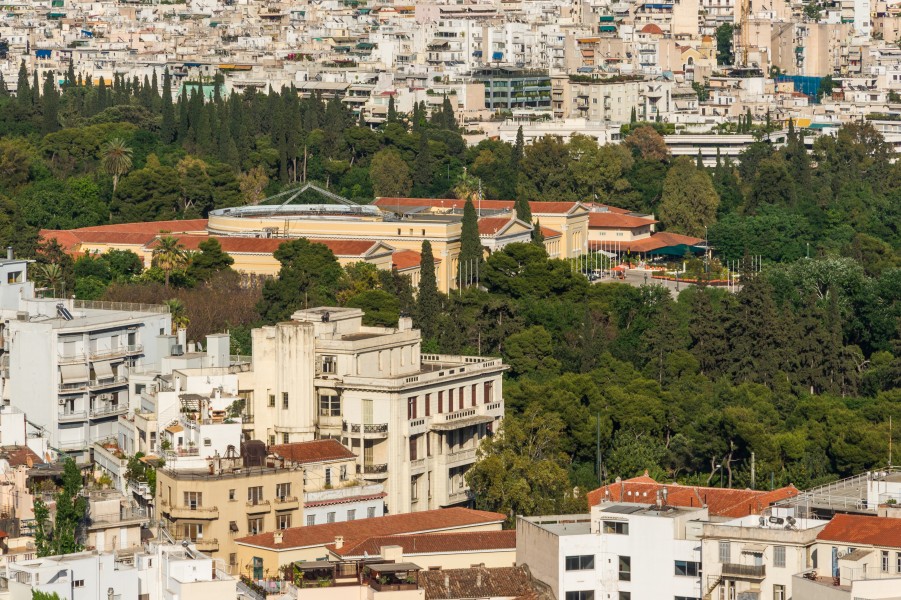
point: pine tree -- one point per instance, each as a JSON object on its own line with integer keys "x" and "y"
{"x": 707, "y": 332}
{"x": 470, "y": 259}
{"x": 23, "y": 88}
{"x": 49, "y": 105}
{"x": 428, "y": 302}
{"x": 167, "y": 127}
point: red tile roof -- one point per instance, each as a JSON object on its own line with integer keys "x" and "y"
{"x": 427, "y": 543}
{"x": 661, "y": 239}
{"x": 651, "y": 28}
{"x": 407, "y": 259}
{"x": 543, "y": 208}
{"x": 17, "y": 456}
{"x": 499, "y": 582}
{"x": 356, "y": 531}
{"x": 491, "y": 225}
{"x": 156, "y": 227}
{"x": 251, "y": 245}
{"x": 855, "y": 530}
{"x": 721, "y": 502}
{"x": 310, "y": 452}
{"x": 345, "y": 499}
{"x": 547, "y": 232}
{"x": 608, "y": 208}
{"x": 617, "y": 221}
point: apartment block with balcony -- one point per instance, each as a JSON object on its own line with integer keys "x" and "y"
{"x": 619, "y": 551}
{"x": 69, "y": 363}
{"x": 507, "y": 88}
{"x": 231, "y": 498}
{"x": 757, "y": 556}
{"x": 609, "y": 100}
{"x": 413, "y": 421}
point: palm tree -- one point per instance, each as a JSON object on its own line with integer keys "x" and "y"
{"x": 116, "y": 159}
{"x": 179, "y": 314}
{"x": 169, "y": 255}
{"x": 49, "y": 275}
{"x": 467, "y": 187}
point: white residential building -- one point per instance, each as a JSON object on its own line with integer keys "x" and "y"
{"x": 620, "y": 552}
{"x": 414, "y": 421}
{"x": 66, "y": 363}
{"x": 162, "y": 572}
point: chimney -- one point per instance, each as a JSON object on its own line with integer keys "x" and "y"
{"x": 339, "y": 542}
{"x": 9, "y": 253}
{"x": 278, "y": 537}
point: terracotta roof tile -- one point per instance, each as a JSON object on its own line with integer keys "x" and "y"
{"x": 155, "y": 227}
{"x": 433, "y": 542}
{"x": 500, "y": 582}
{"x": 618, "y": 221}
{"x": 407, "y": 259}
{"x": 661, "y": 239}
{"x": 491, "y": 225}
{"x": 722, "y": 502}
{"x": 547, "y": 232}
{"x": 652, "y": 28}
{"x": 252, "y": 245}
{"x": 20, "y": 455}
{"x": 355, "y": 531}
{"x": 345, "y": 499}
{"x": 884, "y": 532}
{"x": 315, "y": 451}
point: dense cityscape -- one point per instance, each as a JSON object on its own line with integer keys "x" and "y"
{"x": 538, "y": 300}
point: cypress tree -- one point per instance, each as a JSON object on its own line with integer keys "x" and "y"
{"x": 449, "y": 118}
{"x": 537, "y": 236}
{"x": 523, "y": 210}
{"x": 4, "y": 92}
{"x": 167, "y": 128}
{"x": 23, "y": 88}
{"x": 70, "y": 75}
{"x": 519, "y": 148}
{"x": 102, "y": 95}
{"x": 155, "y": 88}
{"x": 700, "y": 164}
{"x": 35, "y": 90}
{"x": 50, "y": 105}
{"x": 147, "y": 99}
{"x": 470, "y": 260}
{"x": 428, "y": 302}
{"x": 228, "y": 150}
{"x": 422, "y": 165}
{"x": 392, "y": 111}
{"x": 633, "y": 118}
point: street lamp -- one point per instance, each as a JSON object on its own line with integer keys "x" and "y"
{"x": 720, "y": 467}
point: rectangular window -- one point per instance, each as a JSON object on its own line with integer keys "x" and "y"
{"x": 414, "y": 489}
{"x": 330, "y": 517}
{"x": 472, "y": 399}
{"x": 329, "y": 363}
{"x": 282, "y": 490}
{"x": 286, "y": 438}
{"x": 283, "y": 521}
{"x": 428, "y": 404}
{"x": 489, "y": 390}
{"x": 343, "y": 472}
{"x": 255, "y": 494}
{"x": 779, "y": 556}
{"x": 284, "y": 399}
{"x": 897, "y": 562}
{"x": 193, "y": 500}
{"x": 231, "y": 495}
{"x": 255, "y": 525}
{"x": 625, "y": 596}
{"x": 450, "y": 400}
{"x": 625, "y": 568}
{"x": 778, "y": 592}
{"x": 725, "y": 552}
{"x": 687, "y": 568}
{"x": 440, "y": 402}
{"x": 370, "y": 512}
{"x": 617, "y": 527}
{"x": 271, "y": 400}
{"x": 352, "y": 515}
{"x": 885, "y": 561}
{"x": 311, "y": 519}
{"x": 581, "y": 595}
{"x": 414, "y": 446}
{"x": 328, "y": 477}
{"x": 329, "y": 406}
{"x": 79, "y": 583}
{"x": 411, "y": 407}
{"x": 584, "y": 562}
{"x": 192, "y": 531}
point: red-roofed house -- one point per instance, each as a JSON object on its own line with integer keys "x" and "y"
{"x": 408, "y": 262}
{"x": 446, "y": 550}
{"x": 497, "y": 232}
{"x": 721, "y": 502}
{"x": 276, "y": 549}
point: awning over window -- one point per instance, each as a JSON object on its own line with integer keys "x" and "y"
{"x": 103, "y": 369}
{"x": 753, "y": 549}
{"x": 74, "y": 373}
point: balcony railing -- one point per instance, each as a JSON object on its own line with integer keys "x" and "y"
{"x": 258, "y": 506}
{"x": 95, "y": 384}
{"x": 104, "y": 353}
{"x": 287, "y": 503}
{"x": 194, "y": 512}
{"x": 374, "y": 468}
{"x": 105, "y": 411}
{"x": 73, "y": 387}
{"x": 72, "y": 415}
{"x": 368, "y": 428}
{"x": 467, "y": 455}
{"x": 744, "y": 571}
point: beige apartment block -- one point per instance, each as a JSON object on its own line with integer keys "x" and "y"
{"x": 597, "y": 100}
{"x": 413, "y": 420}
{"x": 212, "y": 509}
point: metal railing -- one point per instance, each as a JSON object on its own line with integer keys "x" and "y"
{"x": 116, "y": 352}
{"x": 126, "y": 306}
{"x": 109, "y": 382}
{"x": 73, "y": 386}
{"x": 74, "y": 415}
{"x": 367, "y": 427}
{"x": 109, "y": 410}
{"x": 375, "y": 468}
{"x": 736, "y": 570}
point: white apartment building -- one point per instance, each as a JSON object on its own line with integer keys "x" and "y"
{"x": 414, "y": 421}
{"x": 162, "y": 572}
{"x": 618, "y": 552}
{"x": 66, "y": 362}
{"x": 758, "y": 555}
{"x": 595, "y": 100}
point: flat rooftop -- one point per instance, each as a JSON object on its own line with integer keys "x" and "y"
{"x": 563, "y": 525}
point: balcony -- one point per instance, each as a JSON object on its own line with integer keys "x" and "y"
{"x": 255, "y": 507}
{"x": 71, "y": 359}
{"x": 120, "y": 352}
{"x": 108, "y": 410}
{"x": 210, "y": 513}
{"x": 461, "y": 418}
{"x": 375, "y": 471}
{"x": 287, "y": 503}
{"x": 370, "y": 430}
{"x": 98, "y": 384}
{"x": 461, "y": 456}
{"x": 751, "y": 572}
{"x": 71, "y": 416}
{"x": 207, "y": 545}
{"x": 417, "y": 467}
{"x": 458, "y": 497}
{"x": 74, "y": 387}
{"x": 417, "y": 426}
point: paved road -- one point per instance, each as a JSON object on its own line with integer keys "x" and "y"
{"x": 639, "y": 277}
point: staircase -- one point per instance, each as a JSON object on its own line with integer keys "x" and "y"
{"x": 712, "y": 583}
